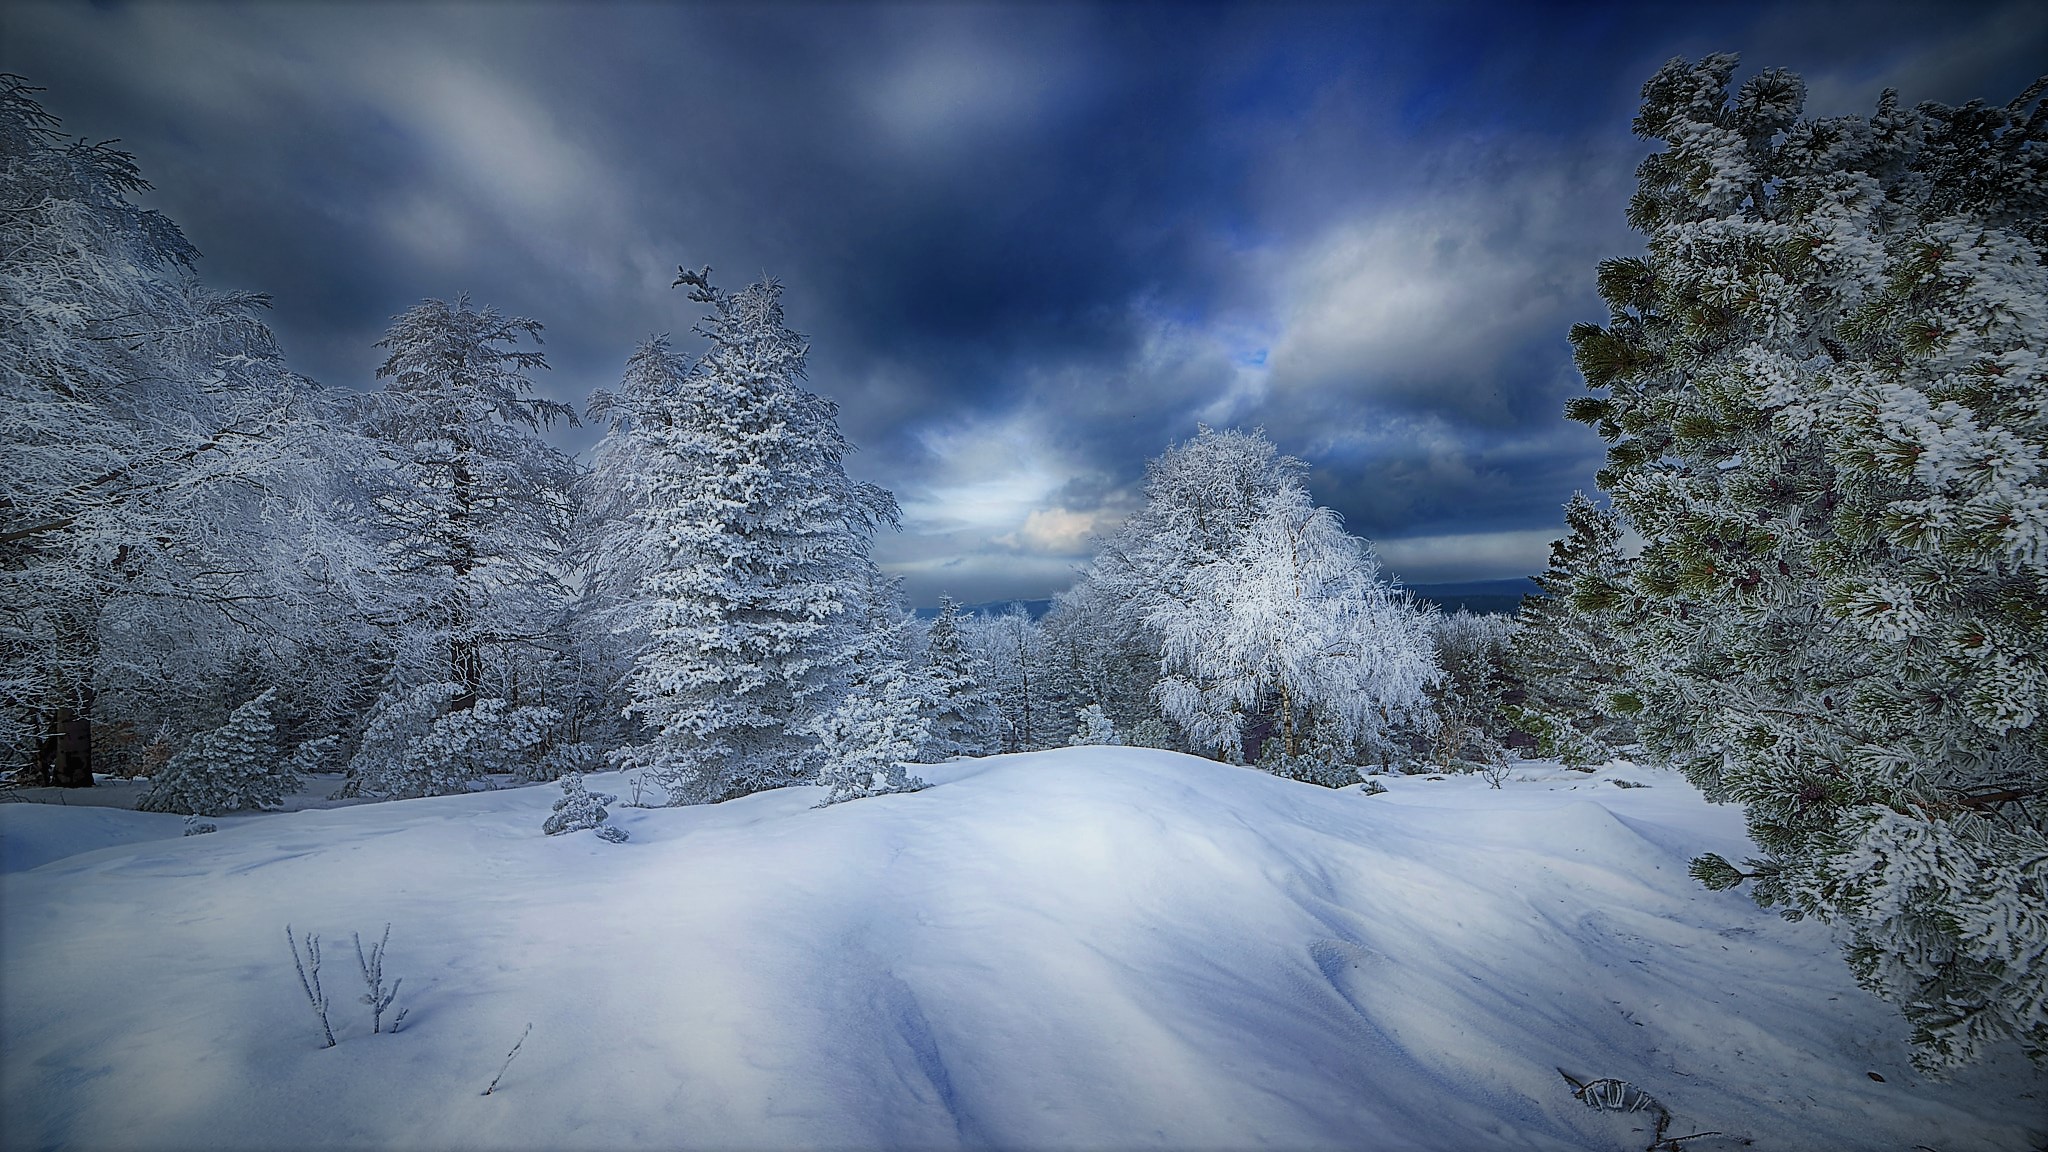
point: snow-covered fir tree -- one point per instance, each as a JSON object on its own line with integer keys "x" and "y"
{"x": 234, "y": 767}
{"x": 475, "y": 511}
{"x": 1827, "y": 397}
{"x": 1567, "y": 660}
{"x": 962, "y": 709}
{"x": 580, "y": 808}
{"x": 745, "y": 545}
{"x": 864, "y": 742}
{"x": 417, "y": 742}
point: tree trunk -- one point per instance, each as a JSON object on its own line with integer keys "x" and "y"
{"x": 65, "y": 759}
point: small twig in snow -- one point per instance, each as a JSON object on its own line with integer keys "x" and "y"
{"x": 309, "y": 979}
{"x": 508, "y": 1060}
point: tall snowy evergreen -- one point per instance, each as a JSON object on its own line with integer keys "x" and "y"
{"x": 737, "y": 551}
{"x": 1568, "y": 660}
{"x": 1825, "y": 387}
{"x": 963, "y": 712}
{"x": 475, "y": 512}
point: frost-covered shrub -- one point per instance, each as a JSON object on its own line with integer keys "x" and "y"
{"x": 1094, "y": 728}
{"x": 414, "y": 747}
{"x": 868, "y": 738}
{"x": 580, "y": 808}
{"x": 1471, "y": 721}
{"x": 234, "y": 767}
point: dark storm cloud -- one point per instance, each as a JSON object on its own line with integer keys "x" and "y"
{"x": 1031, "y": 244}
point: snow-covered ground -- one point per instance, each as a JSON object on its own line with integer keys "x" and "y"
{"x": 1088, "y": 948}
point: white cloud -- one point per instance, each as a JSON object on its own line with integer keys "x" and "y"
{"x": 1055, "y": 532}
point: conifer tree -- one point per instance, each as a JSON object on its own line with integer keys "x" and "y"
{"x": 962, "y": 711}
{"x": 745, "y": 545}
{"x": 1827, "y": 395}
{"x": 234, "y": 767}
{"x": 476, "y": 512}
{"x": 1568, "y": 662}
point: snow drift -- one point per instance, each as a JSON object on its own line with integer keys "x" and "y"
{"x": 1089, "y": 948}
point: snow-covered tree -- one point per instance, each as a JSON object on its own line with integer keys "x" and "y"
{"x": 1093, "y": 726}
{"x": 475, "y": 510}
{"x": 1827, "y": 397}
{"x": 580, "y": 808}
{"x": 1029, "y": 684}
{"x": 234, "y": 767}
{"x": 744, "y": 543}
{"x": 1470, "y": 701}
{"x": 1294, "y": 623}
{"x": 1112, "y": 658}
{"x": 1567, "y": 660}
{"x": 962, "y": 710}
{"x": 168, "y": 531}
{"x": 864, "y": 743}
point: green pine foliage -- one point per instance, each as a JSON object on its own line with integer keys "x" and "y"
{"x": 1825, "y": 390}
{"x": 1568, "y": 660}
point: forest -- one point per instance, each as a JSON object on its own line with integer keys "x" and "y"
{"x": 1812, "y": 577}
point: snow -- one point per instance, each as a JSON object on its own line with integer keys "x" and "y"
{"x": 1082, "y": 948}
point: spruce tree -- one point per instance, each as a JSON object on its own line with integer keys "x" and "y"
{"x": 745, "y": 545}
{"x": 234, "y": 767}
{"x": 1566, "y": 660}
{"x": 1827, "y": 397}
{"x": 962, "y": 710}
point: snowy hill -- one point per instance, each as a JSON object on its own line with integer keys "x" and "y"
{"x": 1088, "y": 948}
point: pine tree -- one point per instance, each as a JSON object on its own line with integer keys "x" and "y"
{"x": 746, "y": 545}
{"x": 1826, "y": 392}
{"x": 963, "y": 715}
{"x": 234, "y": 767}
{"x": 1568, "y": 662}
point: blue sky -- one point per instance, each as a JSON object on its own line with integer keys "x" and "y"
{"x": 1032, "y": 244}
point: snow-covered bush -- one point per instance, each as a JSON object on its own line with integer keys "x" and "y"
{"x": 1093, "y": 728}
{"x": 579, "y": 809}
{"x": 1470, "y": 700}
{"x": 867, "y": 739}
{"x": 413, "y": 746}
{"x": 1826, "y": 389}
{"x": 234, "y": 767}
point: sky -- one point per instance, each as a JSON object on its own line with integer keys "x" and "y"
{"x": 1032, "y": 245}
